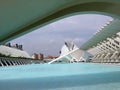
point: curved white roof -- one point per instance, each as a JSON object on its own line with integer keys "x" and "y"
{"x": 13, "y": 52}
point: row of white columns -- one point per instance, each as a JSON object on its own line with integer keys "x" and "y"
{"x": 14, "y": 61}
{"x": 6, "y": 62}
{"x": 107, "y": 51}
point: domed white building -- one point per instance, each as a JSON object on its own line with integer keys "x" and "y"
{"x": 13, "y": 52}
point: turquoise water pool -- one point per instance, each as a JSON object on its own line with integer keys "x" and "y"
{"x": 80, "y": 76}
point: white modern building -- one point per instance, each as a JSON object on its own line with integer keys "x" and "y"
{"x": 13, "y": 52}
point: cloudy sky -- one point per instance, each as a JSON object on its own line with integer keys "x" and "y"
{"x": 49, "y": 39}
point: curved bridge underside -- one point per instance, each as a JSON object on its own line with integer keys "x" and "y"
{"x": 19, "y": 17}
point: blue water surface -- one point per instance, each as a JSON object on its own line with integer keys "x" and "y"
{"x": 82, "y": 76}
